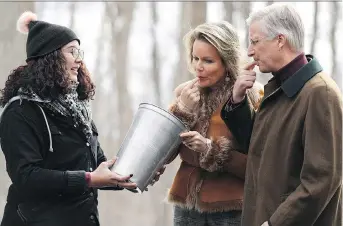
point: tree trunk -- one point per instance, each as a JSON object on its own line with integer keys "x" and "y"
{"x": 155, "y": 56}
{"x": 315, "y": 27}
{"x": 181, "y": 74}
{"x": 72, "y": 8}
{"x": 198, "y": 13}
{"x": 97, "y": 78}
{"x": 335, "y": 13}
{"x": 120, "y": 36}
{"x": 12, "y": 45}
{"x": 118, "y": 106}
{"x": 246, "y": 6}
{"x": 192, "y": 15}
{"x": 12, "y": 54}
{"x": 229, "y": 10}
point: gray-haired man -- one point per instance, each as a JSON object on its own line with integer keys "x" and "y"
{"x": 294, "y": 168}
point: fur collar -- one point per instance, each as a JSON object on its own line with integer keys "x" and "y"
{"x": 210, "y": 100}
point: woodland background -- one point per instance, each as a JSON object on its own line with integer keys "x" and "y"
{"x": 135, "y": 54}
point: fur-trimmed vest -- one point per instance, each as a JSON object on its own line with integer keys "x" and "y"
{"x": 212, "y": 181}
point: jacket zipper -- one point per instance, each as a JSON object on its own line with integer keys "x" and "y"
{"x": 21, "y": 215}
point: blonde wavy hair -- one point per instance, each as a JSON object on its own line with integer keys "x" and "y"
{"x": 223, "y": 36}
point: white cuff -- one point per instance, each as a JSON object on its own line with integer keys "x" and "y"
{"x": 265, "y": 224}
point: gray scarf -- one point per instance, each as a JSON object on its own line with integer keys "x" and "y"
{"x": 67, "y": 105}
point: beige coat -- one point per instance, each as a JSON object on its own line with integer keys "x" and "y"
{"x": 294, "y": 167}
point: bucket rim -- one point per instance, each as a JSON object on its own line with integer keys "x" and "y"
{"x": 145, "y": 103}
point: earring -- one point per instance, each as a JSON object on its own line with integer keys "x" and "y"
{"x": 227, "y": 78}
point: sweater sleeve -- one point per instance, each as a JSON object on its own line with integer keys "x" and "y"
{"x": 239, "y": 119}
{"x": 24, "y": 161}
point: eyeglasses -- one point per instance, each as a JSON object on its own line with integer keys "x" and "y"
{"x": 254, "y": 42}
{"x": 77, "y": 53}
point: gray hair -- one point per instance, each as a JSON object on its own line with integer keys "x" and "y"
{"x": 223, "y": 36}
{"x": 280, "y": 19}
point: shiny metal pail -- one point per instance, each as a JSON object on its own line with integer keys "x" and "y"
{"x": 152, "y": 139}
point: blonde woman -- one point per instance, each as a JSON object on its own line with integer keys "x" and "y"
{"x": 208, "y": 187}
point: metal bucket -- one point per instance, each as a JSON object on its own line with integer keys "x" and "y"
{"x": 152, "y": 139}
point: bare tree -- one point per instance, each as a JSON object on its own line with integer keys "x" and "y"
{"x": 154, "y": 201}
{"x": 192, "y": 14}
{"x": 315, "y": 27}
{"x": 181, "y": 74}
{"x": 199, "y": 10}
{"x": 12, "y": 54}
{"x": 155, "y": 55}
{"x": 72, "y": 8}
{"x": 246, "y": 7}
{"x": 121, "y": 26}
{"x": 118, "y": 107}
{"x": 98, "y": 74}
{"x": 335, "y": 13}
{"x": 229, "y": 10}
{"x": 40, "y": 7}
{"x": 12, "y": 45}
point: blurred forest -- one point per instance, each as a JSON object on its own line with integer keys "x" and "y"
{"x": 135, "y": 54}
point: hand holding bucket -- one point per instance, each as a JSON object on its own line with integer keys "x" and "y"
{"x": 152, "y": 139}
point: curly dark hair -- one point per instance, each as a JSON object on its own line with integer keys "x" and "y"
{"x": 46, "y": 77}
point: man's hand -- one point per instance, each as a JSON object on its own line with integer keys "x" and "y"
{"x": 244, "y": 81}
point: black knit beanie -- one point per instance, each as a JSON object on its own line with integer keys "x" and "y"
{"x": 43, "y": 37}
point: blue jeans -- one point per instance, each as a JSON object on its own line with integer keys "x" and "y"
{"x": 186, "y": 217}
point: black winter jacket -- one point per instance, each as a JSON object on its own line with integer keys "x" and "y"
{"x": 48, "y": 186}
